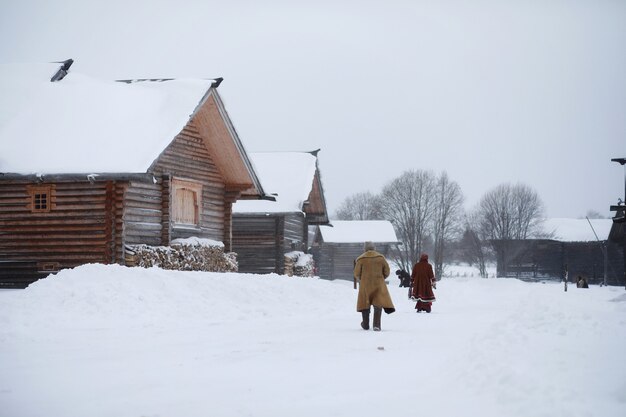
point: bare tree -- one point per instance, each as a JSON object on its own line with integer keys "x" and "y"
{"x": 475, "y": 249}
{"x": 360, "y": 206}
{"x": 509, "y": 212}
{"x": 409, "y": 203}
{"x": 447, "y": 219}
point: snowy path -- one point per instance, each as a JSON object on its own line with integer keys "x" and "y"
{"x": 112, "y": 341}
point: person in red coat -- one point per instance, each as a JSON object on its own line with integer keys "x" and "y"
{"x": 423, "y": 281}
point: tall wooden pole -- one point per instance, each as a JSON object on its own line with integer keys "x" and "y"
{"x": 621, "y": 219}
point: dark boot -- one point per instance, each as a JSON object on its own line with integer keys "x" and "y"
{"x": 377, "y": 313}
{"x": 365, "y": 324}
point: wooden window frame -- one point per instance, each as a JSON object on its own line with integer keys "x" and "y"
{"x": 35, "y": 193}
{"x": 48, "y": 267}
{"x": 195, "y": 187}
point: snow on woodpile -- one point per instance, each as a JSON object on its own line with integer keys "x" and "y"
{"x": 191, "y": 254}
{"x": 299, "y": 264}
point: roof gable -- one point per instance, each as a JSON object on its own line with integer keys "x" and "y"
{"x": 223, "y": 143}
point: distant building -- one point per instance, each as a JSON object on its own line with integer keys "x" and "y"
{"x": 572, "y": 246}
{"x": 336, "y": 246}
{"x": 264, "y": 231}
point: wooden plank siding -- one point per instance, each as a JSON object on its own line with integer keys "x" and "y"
{"x": 261, "y": 240}
{"x": 336, "y": 260}
{"x": 80, "y": 227}
{"x": 296, "y": 234}
{"x": 257, "y": 242}
{"x": 188, "y": 158}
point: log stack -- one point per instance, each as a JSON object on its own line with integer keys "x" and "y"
{"x": 182, "y": 257}
{"x": 299, "y": 264}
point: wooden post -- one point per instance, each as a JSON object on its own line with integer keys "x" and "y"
{"x": 353, "y": 277}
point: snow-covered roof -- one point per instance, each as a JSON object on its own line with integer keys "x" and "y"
{"x": 577, "y": 230}
{"x": 358, "y": 231}
{"x": 288, "y": 175}
{"x": 83, "y": 125}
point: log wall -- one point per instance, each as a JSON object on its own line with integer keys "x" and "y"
{"x": 82, "y": 226}
{"x": 143, "y": 219}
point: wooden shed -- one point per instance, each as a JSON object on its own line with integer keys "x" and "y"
{"x": 338, "y": 244}
{"x": 89, "y": 166}
{"x": 264, "y": 231}
{"x": 573, "y": 245}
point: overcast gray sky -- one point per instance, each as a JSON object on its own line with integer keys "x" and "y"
{"x": 490, "y": 91}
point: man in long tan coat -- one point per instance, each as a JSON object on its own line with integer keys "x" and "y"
{"x": 371, "y": 269}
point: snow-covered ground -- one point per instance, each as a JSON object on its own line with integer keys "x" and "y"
{"x": 114, "y": 341}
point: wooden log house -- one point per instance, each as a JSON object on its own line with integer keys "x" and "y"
{"x": 89, "y": 166}
{"x": 337, "y": 245}
{"x": 264, "y": 231}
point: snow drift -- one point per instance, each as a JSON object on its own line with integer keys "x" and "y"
{"x": 115, "y": 341}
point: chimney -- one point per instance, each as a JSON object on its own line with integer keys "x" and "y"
{"x": 62, "y": 72}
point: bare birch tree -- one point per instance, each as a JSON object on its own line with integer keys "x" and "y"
{"x": 447, "y": 218}
{"x": 409, "y": 203}
{"x": 360, "y": 206}
{"x": 509, "y": 212}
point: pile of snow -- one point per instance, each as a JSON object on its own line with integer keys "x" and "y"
{"x": 197, "y": 241}
{"x": 116, "y": 341}
{"x": 83, "y": 123}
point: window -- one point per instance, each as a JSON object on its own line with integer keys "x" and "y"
{"x": 40, "y": 199}
{"x": 186, "y": 202}
{"x": 48, "y": 266}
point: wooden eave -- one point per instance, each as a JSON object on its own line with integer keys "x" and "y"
{"x": 224, "y": 145}
{"x": 315, "y": 205}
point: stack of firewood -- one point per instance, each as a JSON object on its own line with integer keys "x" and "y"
{"x": 182, "y": 257}
{"x": 299, "y": 264}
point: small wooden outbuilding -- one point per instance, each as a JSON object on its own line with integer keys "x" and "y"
{"x": 90, "y": 166}
{"x": 338, "y": 244}
{"x": 264, "y": 231}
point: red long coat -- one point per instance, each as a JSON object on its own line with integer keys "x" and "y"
{"x": 423, "y": 279}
